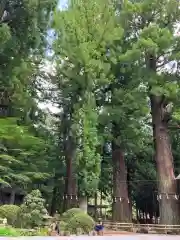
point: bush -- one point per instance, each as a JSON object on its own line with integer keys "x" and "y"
{"x": 25, "y": 232}
{"x": 10, "y": 212}
{"x": 57, "y": 217}
{"x": 62, "y": 226}
{"x": 32, "y": 211}
{"x": 42, "y": 232}
{"x": 80, "y": 222}
{"x": 71, "y": 213}
{"x": 33, "y": 232}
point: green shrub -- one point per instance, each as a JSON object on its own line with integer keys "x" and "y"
{"x": 71, "y": 213}
{"x": 10, "y": 232}
{"x": 32, "y": 211}
{"x": 10, "y": 212}
{"x": 62, "y": 227}
{"x": 57, "y": 217}
{"x": 25, "y": 232}
{"x": 80, "y": 222}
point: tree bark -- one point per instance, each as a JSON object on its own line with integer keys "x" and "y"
{"x": 5, "y": 110}
{"x": 101, "y": 203}
{"x": 53, "y": 201}
{"x": 167, "y": 188}
{"x": 12, "y": 197}
{"x": 95, "y": 206}
{"x": 70, "y": 196}
{"x": 121, "y": 206}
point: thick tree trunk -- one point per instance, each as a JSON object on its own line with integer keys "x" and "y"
{"x": 70, "y": 196}
{"x": 129, "y": 191}
{"x": 121, "y": 207}
{"x": 167, "y": 189}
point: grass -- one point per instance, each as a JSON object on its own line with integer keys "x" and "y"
{"x": 15, "y": 232}
{"x": 10, "y": 232}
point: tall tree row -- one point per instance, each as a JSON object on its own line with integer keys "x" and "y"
{"x": 115, "y": 83}
{"x": 80, "y": 53}
{"x": 112, "y": 61}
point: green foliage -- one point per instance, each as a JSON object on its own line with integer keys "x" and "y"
{"x": 80, "y": 222}
{"x": 41, "y": 232}
{"x": 10, "y": 212}
{"x": 32, "y": 210}
{"x": 23, "y": 31}
{"x": 18, "y": 144}
{"x": 71, "y": 213}
{"x": 62, "y": 226}
{"x": 75, "y": 221}
{"x": 88, "y": 158}
{"x": 156, "y": 38}
{"x": 4, "y": 33}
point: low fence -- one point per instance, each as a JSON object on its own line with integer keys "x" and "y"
{"x": 150, "y": 228}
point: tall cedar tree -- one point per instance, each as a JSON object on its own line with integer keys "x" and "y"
{"x": 152, "y": 25}
{"x": 84, "y": 31}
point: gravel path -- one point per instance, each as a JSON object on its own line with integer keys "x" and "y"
{"x": 121, "y": 237}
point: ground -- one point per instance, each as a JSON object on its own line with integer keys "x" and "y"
{"x": 115, "y": 237}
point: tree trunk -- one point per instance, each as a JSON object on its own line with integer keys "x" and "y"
{"x": 121, "y": 208}
{"x": 101, "y": 203}
{"x": 95, "y": 206}
{"x": 12, "y": 197}
{"x": 53, "y": 201}
{"x": 70, "y": 196}
{"x": 167, "y": 189}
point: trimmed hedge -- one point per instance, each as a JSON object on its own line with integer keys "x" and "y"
{"x": 80, "y": 223}
{"x": 71, "y": 213}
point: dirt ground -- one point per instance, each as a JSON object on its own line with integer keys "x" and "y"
{"x": 112, "y": 233}
{"x": 112, "y": 237}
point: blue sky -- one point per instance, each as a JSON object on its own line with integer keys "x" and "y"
{"x": 62, "y": 3}
{"x": 48, "y": 105}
